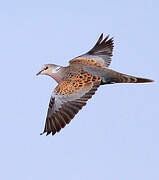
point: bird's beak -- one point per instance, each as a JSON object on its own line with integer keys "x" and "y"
{"x": 39, "y": 73}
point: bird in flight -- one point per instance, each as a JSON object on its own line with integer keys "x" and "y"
{"x": 79, "y": 81}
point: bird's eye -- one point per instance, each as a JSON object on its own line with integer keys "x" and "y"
{"x": 46, "y": 68}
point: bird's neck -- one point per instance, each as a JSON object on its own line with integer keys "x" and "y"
{"x": 56, "y": 77}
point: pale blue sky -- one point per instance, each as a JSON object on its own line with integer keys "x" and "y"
{"x": 116, "y": 136}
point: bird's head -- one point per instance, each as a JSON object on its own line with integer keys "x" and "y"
{"x": 51, "y": 70}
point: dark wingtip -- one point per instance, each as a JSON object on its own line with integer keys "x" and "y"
{"x": 41, "y": 133}
{"x": 100, "y": 38}
{"x": 44, "y": 133}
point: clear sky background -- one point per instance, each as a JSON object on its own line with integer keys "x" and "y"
{"x": 116, "y": 136}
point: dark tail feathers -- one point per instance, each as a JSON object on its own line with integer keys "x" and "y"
{"x": 116, "y": 77}
{"x": 123, "y": 78}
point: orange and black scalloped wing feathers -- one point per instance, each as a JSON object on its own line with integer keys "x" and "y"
{"x": 99, "y": 55}
{"x": 67, "y": 99}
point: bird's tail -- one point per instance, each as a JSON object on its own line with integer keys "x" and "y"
{"x": 123, "y": 78}
{"x": 116, "y": 77}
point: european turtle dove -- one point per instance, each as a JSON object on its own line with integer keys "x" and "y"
{"x": 79, "y": 81}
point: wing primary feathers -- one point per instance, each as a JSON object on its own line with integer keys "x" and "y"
{"x": 99, "y": 55}
{"x": 67, "y": 107}
{"x": 102, "y": 46}
{"x": 99, "y": 40}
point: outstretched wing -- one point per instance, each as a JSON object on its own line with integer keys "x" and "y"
{"x": 67, "y": 99}
{"x": 99, "y": 55}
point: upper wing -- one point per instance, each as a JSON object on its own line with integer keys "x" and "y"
{"x": 67, "y": 99}
{"x": 99, "y": 55}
